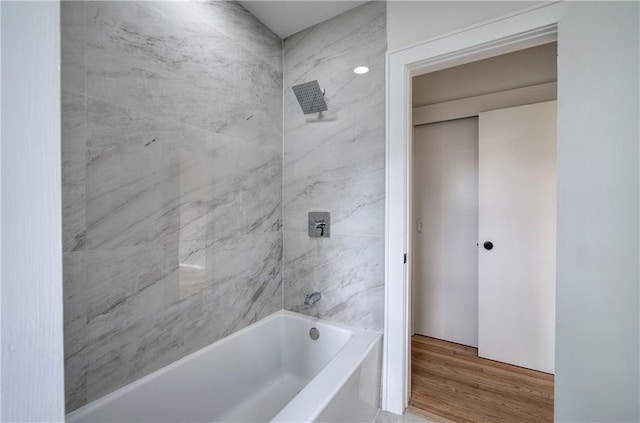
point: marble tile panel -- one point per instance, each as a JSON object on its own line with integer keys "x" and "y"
{"x": 75, "y": 379}
{"x": 196, "y": 163}
{"x": 352, "y": 192}
{"x": 350, "y": 97}
{"x": 133, "y": 177}
{"x": 125, "y": 282}
{"x": 75, "y": 328}
{"x": 125, "y": 290}
{"x": 193, "y": 267}
{"x": 72, "y": 33}
{"x": 337, "y": 162}
{"x": 246, "y": 189}
{"x": 74, "y": 283}
{"x": 141, "y": 57}
{"x": 151, "y": 180}
{"x": 347, "y": 269}
{"x": 229, "y": 186}
{"x": 245, "y": 287}
{"x": 343, "y": 35}
{"x": 233, "y": 20}
{"x": 172, "y": 184}
{"x": 136, "y": 337}
{"x": 247, "y": 282}
{"x": 118, "y": 356}
{"x": 74, "y": 151}
{"x": 108, "y": 363}
{"x": 168, "y": 336}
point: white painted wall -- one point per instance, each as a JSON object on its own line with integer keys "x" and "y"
{"x": 409, "y": 22}
{"x": 31, "y": 260}
{"x": 597, "y": 290}
{"x": 597, "y": 358}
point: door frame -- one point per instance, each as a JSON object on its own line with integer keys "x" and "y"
{"x": 527, "y": 28}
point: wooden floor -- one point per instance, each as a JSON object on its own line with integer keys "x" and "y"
{"x": 450, "y": 381}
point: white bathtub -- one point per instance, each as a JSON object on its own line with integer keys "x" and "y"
{"x": 269, "y": 371}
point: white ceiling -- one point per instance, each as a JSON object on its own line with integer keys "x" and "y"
{"x": 285, "y": 18}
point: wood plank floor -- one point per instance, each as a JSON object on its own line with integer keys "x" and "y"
{"x": 450, "y": 380}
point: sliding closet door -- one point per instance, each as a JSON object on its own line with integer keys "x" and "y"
{"x": 517, "y": 233}
{"x": 445, "y": 230}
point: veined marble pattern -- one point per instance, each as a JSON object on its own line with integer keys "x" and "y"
{"x": 233, "y": 20}
{"x": 166, "y": 60}
{"x": 74, "y": 129}
{"x": 247, "y": 282}
{"x": 247, "y": 189}
{"x": 151, "y": 180}
{"x": 172, "y": 131}
{"x": 133, "y": 177}
{"x": 75, "y": 330}
{"x": 172, "y": 184}
{"x": 136, "y": 331}
{"x": 343, "y": 35}
{"x": 72, "y": 27}
{"x": 347, "y": 269}
{"x": 335, "y": 162}
{"x": 74, "y": 151}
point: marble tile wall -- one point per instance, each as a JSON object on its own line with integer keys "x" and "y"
{"x": 335, "y": 162}
{"x": 172, "y": 183}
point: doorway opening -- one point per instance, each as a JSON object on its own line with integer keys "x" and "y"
{"x": 482, "y": 238}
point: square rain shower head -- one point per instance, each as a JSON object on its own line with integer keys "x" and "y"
{"x": 310, "y": 97}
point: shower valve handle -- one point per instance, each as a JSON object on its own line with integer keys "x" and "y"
{"x": 320, "y": 225}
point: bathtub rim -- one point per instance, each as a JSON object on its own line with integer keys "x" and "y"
{"x": 122, "y": 391}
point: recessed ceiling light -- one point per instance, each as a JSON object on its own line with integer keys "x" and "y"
{"x": 360, "y": 70}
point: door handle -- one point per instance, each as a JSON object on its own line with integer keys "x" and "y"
{"x": 488, "y": 245}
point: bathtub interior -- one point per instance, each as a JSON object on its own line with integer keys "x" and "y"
{"x": 301, "y": 359}
{"x": 306, "y": 357}
{"x": 248, "y": 376}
